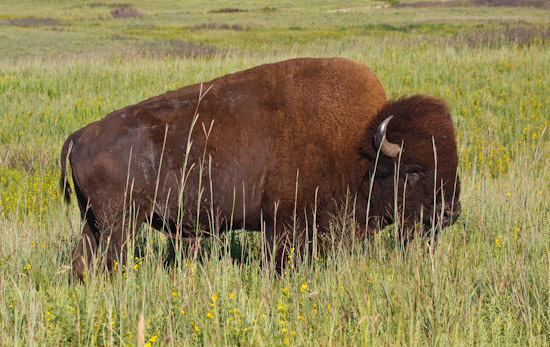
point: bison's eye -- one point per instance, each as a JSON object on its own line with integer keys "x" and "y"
{"x": 413, "y": 173}
{"x": 412, "y": 178}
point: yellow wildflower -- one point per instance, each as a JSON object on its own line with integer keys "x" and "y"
{"x": 303, "y": 287}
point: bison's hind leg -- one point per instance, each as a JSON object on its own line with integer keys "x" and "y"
{"x": 117, "y": 233}
{"x": 87, "y": 246}
{"x": 107, "y": 232}
{"x": 83, "y": 253}
{"x": 85, "y": 250}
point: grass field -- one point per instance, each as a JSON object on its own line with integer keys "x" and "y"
{"x": 64, "y": 64}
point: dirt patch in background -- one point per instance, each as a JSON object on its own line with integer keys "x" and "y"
{"x": 455, "y": 3}
{"x": 126, "y": 12}
{"x": 536, "y": 3}
{"x": 521, "y": 36}
{"x": 104, "y": 4}
{"x": 30, "y": 21}
{"x": 219, "y": 26}
{"x": 421, "y": 4}
{"x": 227, "y": 10}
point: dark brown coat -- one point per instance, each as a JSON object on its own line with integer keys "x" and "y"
{"x": 258, "y": 134}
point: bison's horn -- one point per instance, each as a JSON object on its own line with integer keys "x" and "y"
{"x": 380, "y": 140}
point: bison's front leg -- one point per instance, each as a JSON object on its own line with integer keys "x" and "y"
{"x": 84, "y": 252}
{"x": 273, "y": 249}
{"x": 282, "y": 245}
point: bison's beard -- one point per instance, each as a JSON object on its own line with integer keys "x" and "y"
{"x": 444, "y": 216}
{"x": 436, "y": 219}
{"x": 422, "y": 219}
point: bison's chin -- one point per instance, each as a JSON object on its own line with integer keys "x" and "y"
{"x": 441, "y": 217}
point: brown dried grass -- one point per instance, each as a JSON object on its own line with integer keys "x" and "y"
{"x": 179, "y": 48}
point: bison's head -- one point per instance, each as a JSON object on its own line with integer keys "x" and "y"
{"x": 411, "y": 146}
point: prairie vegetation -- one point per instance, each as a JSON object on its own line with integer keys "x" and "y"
{"x": 64, "y": 64}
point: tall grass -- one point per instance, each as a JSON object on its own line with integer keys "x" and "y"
{"x": 486, "y": 282}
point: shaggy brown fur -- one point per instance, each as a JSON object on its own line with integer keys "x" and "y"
{"x": 269, "y": 141}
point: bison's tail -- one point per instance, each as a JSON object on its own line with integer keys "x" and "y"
{"x": 63, "y": 182}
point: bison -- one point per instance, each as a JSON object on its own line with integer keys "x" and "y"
{"x": 259, "y": 149}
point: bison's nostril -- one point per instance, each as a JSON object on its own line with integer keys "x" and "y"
{"x": 456, "y": 209}
{"x": 452, "y": 213}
